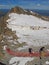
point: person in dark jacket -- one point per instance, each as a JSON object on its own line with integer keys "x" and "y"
{"x": 41, "y": 51}
{"x": 42, "y": 54}
{"x": 30, "y": 50}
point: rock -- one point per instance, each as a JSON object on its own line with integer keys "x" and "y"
{"x": 2, "y": 63}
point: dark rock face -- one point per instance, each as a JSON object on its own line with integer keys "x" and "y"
{"x": 17, "y": 10}
{"x": 2, "y": 63}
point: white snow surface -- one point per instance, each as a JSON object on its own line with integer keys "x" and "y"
{"x": 21, "y": 60}
{"x": 47, "y": 49}
{"x": 47, "y": 62}
{"x": 5, "y": 46}
{"x": 22, "y": 25}
{"x": 22, "y": 48}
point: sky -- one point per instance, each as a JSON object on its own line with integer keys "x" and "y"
{"x": 26, "y": 4}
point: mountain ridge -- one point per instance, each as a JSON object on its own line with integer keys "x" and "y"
{"x": 20, "y": 10}
{"x": 9, "y": 37}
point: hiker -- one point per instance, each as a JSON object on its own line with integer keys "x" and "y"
{"x": 30, "y": 50}
{"x": 42, "y": 55}
{"x": 42, "y": 52}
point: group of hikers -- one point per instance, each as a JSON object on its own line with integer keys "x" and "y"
{"x": 41, "y": 56}
{"x": 41, "y": 51}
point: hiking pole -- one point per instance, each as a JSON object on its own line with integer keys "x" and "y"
{"x": 40, "y": 61}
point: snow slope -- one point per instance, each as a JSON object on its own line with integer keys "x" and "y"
{"x": 24, "y": 24}
{"x": 47, "y": 62}
{"x": 21, "y": 60}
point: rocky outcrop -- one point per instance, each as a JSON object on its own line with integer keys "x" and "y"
{"x": 19, "y": 10}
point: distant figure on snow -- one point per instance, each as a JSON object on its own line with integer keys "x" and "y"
{"x": 30, "y": 50}
{"x": 42, "y": 52}
{"x": 42, "y": 55}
